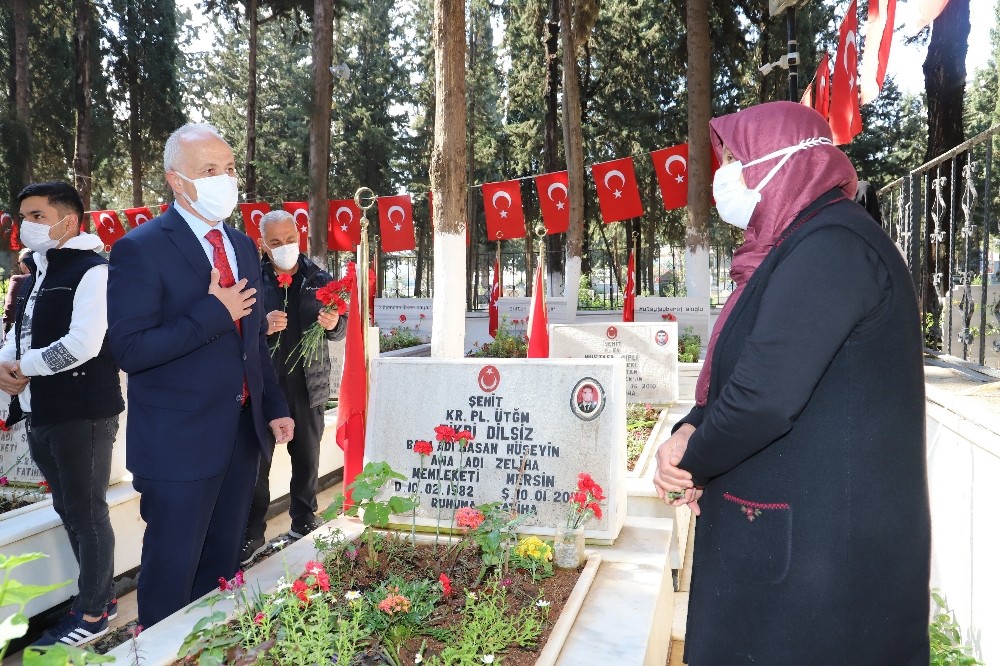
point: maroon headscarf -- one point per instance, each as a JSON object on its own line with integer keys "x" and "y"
{"x": 807, "y": 175}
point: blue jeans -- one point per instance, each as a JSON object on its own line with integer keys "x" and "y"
{"x": 75, "y": 458}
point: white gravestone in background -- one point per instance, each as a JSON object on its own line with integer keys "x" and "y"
{"x": 649, "y": 352}
{"x": 517, "y": 311}
{"x": 414, "y": 314}
{"x": 336, "y": 366}
{"x": 693, "y": 312}
{"x": 536, "y": 424}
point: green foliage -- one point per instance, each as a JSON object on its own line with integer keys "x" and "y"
{"x": 506, "y": 344}
{"x": 533, "y": 555}
{"x": 397, "y": 338}
{"x": 947, "y": 647}
{"x": 689, "y": 346}
{"x": 15, "y": 593}
{"x": 62, "y": 655}
{"x": 496, "y": 534}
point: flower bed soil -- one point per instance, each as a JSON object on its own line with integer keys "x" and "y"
{"x": 9, "y": 504}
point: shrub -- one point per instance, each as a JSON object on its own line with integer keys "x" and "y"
{"x": 397, "y": 338}
{"x": 689, "y": 346}
{"x": 505, "y": 345}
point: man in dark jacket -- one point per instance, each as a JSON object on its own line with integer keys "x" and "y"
{"x": 290, "y": 282}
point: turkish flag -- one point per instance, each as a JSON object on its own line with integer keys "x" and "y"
{"x": 252, "y": 212}
{"x": 352, "y": 403}
{"x": 926, "y": 11}
{"x": 504, "y": 210}
{"x": 538, "y": 321}
{"x": 878, "y": 40}
{"x": 343, "y": 232}
{"x": 395, "y": 221}
{"x": 845, "y": 105}
{"x": 817, "y": 94}
{"x": 617, "y": 189}
{"x": 163, "y": 208}
{"x": 494, "y": 300}
{"x": 628, "y": 312}
{"x": 553, "y": 198}
{"x": 109, "y": 228}
{"x": 137, "y": 216}
{"x": 671, "y": 165}
{"x": 300, "y": 213}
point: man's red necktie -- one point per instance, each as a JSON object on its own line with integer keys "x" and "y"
{"x": 226, "y": 279}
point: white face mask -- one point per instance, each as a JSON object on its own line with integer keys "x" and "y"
{"x": 736, "y": 202}
{"x": 286, "y": 256}
{"x": 217, "y": 196}
{"x": 35, "y": 235}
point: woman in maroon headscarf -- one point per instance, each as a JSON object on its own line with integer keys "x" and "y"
{"x": 804, "y": 454}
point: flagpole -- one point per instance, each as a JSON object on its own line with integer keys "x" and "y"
{"x": 375, "y": 260}
{"x": 499, "y": 271}
{"x": 364, "y": 194}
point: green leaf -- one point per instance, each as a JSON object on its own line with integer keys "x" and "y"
{"x": 19, "y": 594}
{"x": 9, "y": 562}
{"x": 13, "y": 627}
{"x": 62, "y": 655}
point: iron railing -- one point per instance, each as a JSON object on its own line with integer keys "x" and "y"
{"x": 941, "y": 217}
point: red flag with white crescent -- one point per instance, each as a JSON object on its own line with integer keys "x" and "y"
{"x": 553, "y": 199}
{"x": 845, "y": 103}
{"x": 538, "y": 322}
{"x": 109, "y": 228}
{"x": 617, "y": 189}
{"x": 878, "y": 40}
{"x": 343, "y": 225}
{"x": 300, "y": 213}
{"x": 504, "y": 210}
{"x": 252, "y": 212}
{"x": 628, "y": 312}
{"x": 137, "y": 216}
{"x": 495, "y": 300}
{"x": 163, "y": 208}
{"x": 352, "y": 404}
{"x": 671, "y": 166}
{"x": 925, "y": 12}
{"x": 395, "y": 217}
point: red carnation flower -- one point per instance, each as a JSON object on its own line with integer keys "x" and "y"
{"x": 284, "y": 281}
{"x": 445, "y": 584}
{"x": 423, "y": 447}
{"x": 445, "y": 433}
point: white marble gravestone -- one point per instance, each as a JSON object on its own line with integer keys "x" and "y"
{"x": 649, "y": 351}
{"x": 414, "y": 314}
{"x": 517, "y": 310}
{"x": 336, "y": 366}
{"x": 537, "y": 425}
{"x": 693, "y": 312}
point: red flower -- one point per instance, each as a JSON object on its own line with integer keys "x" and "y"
{"x": 579, "y": 497}
{"x": 469, "y": 517}
{"x": 323, "y": 581}
{"x": 44, "y": 487}
{"x": 445, "y": 433}
{"x": 299, "y": 589}
{"x": 3, "y": 426}
{"x": 422, "y": 315}
{"x": 596, "y": 508}
{"x": 284, "y": 281}
{"x": 464, "y": 434}
{"x": 445, "y": 584}
{"x": 238, "y": 579}
{"x": 423, "y": 447}
{"x": 223, "y": 584}
{"x": 402, "y": 318}
{"x": 258, "y": 618}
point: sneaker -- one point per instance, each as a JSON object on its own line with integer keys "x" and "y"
{"x": 74, "y": 631}
{"x": 112, "y": 611}
{"x": 299, "y": 530}
{"x": 252, "y": 549}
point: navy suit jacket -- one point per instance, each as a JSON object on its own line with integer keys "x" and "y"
{"x": 184, "y": 357}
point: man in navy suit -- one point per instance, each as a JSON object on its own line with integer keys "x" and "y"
{"x": 184, "y": 324}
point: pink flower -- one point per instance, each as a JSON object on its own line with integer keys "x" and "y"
{"x": 445, "y": 584}
{"x": 223, "y": 584}
{"x": 469, "y": 517}
{"x": 4, "y": 481}
{"x": 238, "y": 579}
{"x": 394, "y": 603}
{"x": 258, "y": 618}
{"x": 423, "y": 447}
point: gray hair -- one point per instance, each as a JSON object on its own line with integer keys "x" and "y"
{"x": 172, "y": 148}
{"x": 273, "y": 216}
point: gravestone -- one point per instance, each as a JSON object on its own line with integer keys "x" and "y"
{"x": 517, "y": 310}
{"x": 649, "y": 351}
{"x": 413, "y": 314}
{"x": 336, "y": 366}
{"x": 693, "y": 312}
{"x": 536, "y": 426}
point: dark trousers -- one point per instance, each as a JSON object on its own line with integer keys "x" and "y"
{"x": 194, "y": 530}
{"x": 75, "y": 458}
{"x": 303, "y": 450}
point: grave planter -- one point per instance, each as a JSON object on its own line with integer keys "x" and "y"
{"x": 568, "y": 546}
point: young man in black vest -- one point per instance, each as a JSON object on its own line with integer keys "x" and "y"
{"x": 57, "y": 367}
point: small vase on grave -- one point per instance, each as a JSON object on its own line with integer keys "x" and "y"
{"x": 568, "y": 547}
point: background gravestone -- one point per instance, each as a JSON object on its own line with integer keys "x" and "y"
{"x": 413, "y": 314}
{"x": 537, "y": 425}
{"x": 693, "y": 312}
{"x": 649, "y": 352}
{"x": 518, "y": 309}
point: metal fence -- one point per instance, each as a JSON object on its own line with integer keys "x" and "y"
{"x": 941, "y": 216}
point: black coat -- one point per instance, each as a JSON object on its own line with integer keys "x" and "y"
{"x": 813, "y": 546}
{"x": 317, "y": 374}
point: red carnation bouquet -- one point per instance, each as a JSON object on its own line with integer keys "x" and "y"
{"x": 334, "y": 297}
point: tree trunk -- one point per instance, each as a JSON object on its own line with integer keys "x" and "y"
{"x": 448, "y": 179}
{"x": 22, "y": 90}
{"x": 319, "y": 129}
{"x": 250, "y": 171}
{"x": 944, "y": 83}
{"x": 470, "y": 206}
{"x": 84, "y": 153}
{"x": 699, "y": 85}
{"x": 555, "y": 260}
{"x": 135, "y": 147}
{"x": 573, "y": 145}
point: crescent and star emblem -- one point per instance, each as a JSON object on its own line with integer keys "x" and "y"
{"x": 140, "y": 218}
{"x": 852, "y": 40}
{"x": 350, "y": 217}
{"x": 256, "y": 215}
{"x": 671, "y": 160}
{"x": 558, "y": 186}
{"x": 500, "y": 194}
{"x": 107, "y": 222}
{"x": 608, "y": 176}
{"x": 612, "y": 332}
{"x": 305, "y": 226}
{"x": 489, "y": 378}
{"x": 402, "y": 217}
